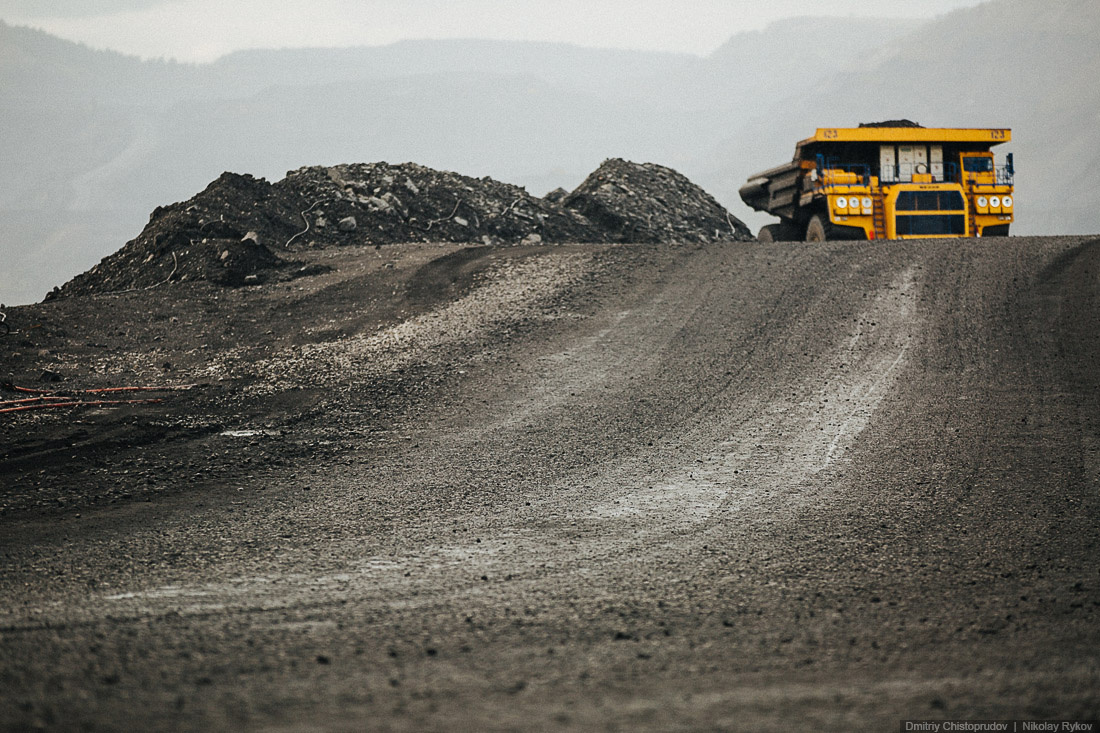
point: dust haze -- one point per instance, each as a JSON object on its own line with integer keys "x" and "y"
{"x": 94, "y": 140}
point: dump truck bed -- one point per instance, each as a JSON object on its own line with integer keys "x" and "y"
{"x": 775, "y": 190}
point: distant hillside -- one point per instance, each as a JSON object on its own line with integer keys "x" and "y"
{"x": 37, "y": 66}
{"x": 796, "y": 54}
{"x": 92, "y": 141}
{"x": 614, "y": 73}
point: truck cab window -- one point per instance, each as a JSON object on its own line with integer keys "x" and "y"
{"x": 978, "y": 165}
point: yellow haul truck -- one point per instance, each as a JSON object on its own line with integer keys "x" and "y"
{"x": 887, "y": 182}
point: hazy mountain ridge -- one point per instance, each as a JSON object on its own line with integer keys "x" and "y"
{"x": 87, "y": 133}
{"x": 37, "y": 66}
{"x": 586, "y": 70}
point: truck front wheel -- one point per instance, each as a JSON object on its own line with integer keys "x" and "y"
{"x": 782, "y": 232}
{"x": 815, "y": 229}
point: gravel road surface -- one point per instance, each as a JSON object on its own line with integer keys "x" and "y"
{"x": 711, "y": 487}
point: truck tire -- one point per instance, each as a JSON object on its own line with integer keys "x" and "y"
{"x": 771, "y": 233}
{"x": 782, "y": 232}
{"x": 815, "y": 229}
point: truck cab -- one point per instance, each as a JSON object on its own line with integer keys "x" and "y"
{"x": 977, "y": 168}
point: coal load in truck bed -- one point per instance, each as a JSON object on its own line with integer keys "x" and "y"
{"x": 891, "y": 123}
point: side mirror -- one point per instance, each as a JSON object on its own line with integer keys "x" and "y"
{"x": 1009, "y": 166}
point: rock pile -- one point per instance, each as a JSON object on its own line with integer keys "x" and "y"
{"x": 634, "y": 202}
{"x": 240, "y": 230}
{"x": 223, "y": 234}
{"x": 378, "y": 203}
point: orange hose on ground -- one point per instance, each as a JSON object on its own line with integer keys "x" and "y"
{"x": 178, "y": 388}
{"x": 167, "y": 388}
{"x": 75, "y": 403}
{"x": 33, "y": 399}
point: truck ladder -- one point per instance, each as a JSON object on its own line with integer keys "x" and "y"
{"x": 971, "y": 214}
{"x": 879, "y": 217}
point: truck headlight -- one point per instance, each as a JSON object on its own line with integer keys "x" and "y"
{"x": 983, "y": 202}
{"x": 841, "y": 202}
{"x": 1006, "y": 202}
{"x": 994, "y": 202}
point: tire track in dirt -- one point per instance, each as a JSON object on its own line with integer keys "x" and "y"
{"x": 780, "y": 445}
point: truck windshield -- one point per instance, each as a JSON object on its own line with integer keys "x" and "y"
{"x": 978, "y": 165}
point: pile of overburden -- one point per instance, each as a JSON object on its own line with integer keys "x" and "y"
{"x": 631, "y": 202}
{"x": 223, "y": 234}
{"x": 243, "y": 230}
{"x": 378, "y": 203}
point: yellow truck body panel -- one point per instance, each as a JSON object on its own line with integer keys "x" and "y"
{"x": 992, "y": 136}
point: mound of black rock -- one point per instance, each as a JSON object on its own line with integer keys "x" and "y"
{"x": 379, "y": 203}
{"x": 632, "y": 202}
{"x": 243, "y": 230}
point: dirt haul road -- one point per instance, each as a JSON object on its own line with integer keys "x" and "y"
{"x": 725, "y": 486}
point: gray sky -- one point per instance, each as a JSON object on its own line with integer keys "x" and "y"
{"x": 202, "y": 30}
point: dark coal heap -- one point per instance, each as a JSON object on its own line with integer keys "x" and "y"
{"x": 223, "y": 234}
{"x": 242, "y": 230}
{"x": 631, "y": 202}
{"x": 378, "y": 203}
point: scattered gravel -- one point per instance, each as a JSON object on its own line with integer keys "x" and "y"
{"x": 510, "y": 292}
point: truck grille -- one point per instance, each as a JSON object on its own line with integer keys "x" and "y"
{"x": 930, "y": 224}
{"x": 930, "y": 201}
